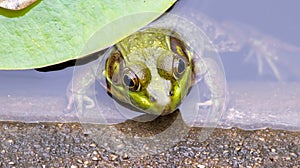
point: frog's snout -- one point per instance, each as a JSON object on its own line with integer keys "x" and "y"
{"x": 161, "y": 100}
{"x": 159, "y": 94}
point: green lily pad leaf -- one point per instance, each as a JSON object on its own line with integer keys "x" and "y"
{"x": 54, "y": 31}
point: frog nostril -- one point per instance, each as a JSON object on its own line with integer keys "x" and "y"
{"x": 152, "y": 99}
{"x": 171, "y": 93}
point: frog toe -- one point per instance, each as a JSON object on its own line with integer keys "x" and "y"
{"x": 69, "y": 107}
{"x": 90, "y": 103}
{"x": 265, "y": 56}
{"x": 204, "y": 104}
{"x": 79, "y": 103}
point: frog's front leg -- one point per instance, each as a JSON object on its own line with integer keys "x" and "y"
{"x": 212, "y": 74}
{"x": 80, "y": 91}
{"x": 79, "y": 100}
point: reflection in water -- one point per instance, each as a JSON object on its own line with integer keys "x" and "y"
{"x": 247, "y": 55}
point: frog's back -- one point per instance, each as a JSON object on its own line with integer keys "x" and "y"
{"x": 141, "y": 40}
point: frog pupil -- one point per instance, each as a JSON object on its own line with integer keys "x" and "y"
{"x": 181, "y": 66}
{"x": 128, "y": 81}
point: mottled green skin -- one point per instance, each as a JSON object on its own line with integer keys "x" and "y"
{"x": 150, "y": 56}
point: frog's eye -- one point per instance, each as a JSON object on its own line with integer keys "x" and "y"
{"x": 179, "y": 66}
{"x": 131, "y": 81}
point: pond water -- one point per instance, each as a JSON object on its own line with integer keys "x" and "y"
{"x": 263, "y": 92}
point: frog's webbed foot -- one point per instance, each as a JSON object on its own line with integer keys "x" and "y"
{"x": 79, "y": 102}
{"x": 276, "y": 54}
{"x": 263, "y": 51}
{"x": 80, "y": 92}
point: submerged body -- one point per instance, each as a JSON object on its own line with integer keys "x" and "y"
{"x": 155, "y": 95}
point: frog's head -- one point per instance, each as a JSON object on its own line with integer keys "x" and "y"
{"x": 154, "y": 80}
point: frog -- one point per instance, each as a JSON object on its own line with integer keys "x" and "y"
{"x": 200, "y": 69}
{"x": 163, "y": 96}
{"x": 152, "y": 70}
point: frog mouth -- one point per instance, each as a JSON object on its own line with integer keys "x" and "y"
{"x": 167, "y": 110}
{"x": 158, "y": 110}
{"x": 164, "y": 110}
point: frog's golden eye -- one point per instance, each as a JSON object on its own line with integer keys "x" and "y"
{"x": 179, "y": 66}
{"x": 131, "y": 81}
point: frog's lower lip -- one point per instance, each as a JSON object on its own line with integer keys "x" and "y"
{"x": 162, "y": 110}
{"x": 167, "y": 110}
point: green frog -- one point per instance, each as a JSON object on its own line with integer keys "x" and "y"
{"x": 152, "y": 70}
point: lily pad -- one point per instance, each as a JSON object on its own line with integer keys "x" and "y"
{"x": 54, "y": 31}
